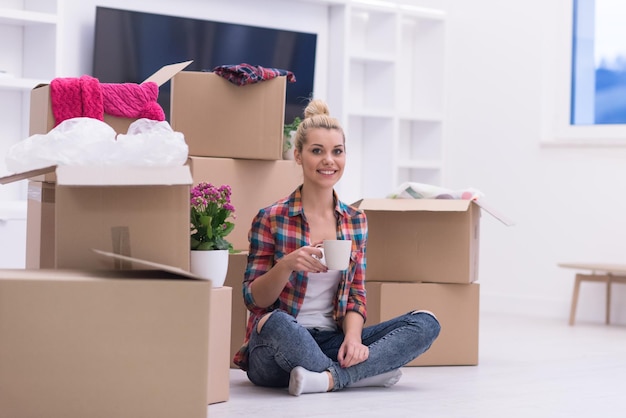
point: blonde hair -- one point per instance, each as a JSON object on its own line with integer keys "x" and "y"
{"x": 316, "y": 115}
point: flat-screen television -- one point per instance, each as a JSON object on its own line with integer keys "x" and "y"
{"x": 129, "y": 46}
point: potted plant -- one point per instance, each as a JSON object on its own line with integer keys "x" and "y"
{"x": 210, "y": 214}
{"x": 289, "y": 131}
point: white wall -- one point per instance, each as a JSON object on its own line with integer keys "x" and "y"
{"x": 568, "y": 202}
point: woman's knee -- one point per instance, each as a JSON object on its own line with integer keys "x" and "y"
{"x": 427, "y": 321}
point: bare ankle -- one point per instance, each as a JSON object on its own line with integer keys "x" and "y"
{"x": 262, "y": 322}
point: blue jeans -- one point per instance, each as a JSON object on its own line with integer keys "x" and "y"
{"x": 284, "y": 344}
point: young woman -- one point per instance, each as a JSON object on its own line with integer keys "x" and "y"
{"x": 306, "y": 328}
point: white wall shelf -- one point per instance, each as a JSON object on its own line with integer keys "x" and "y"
{"x": 29, "y": 33}
{"x": 26, "y": 17}
{"x": 389, "y": 94}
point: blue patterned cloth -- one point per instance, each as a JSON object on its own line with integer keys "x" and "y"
{"x": 243, "y": 74}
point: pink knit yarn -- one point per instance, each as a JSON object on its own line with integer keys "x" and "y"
{"x": 132, "y": 100}
{"x": 87, "y": 97}
{"x": 75, "y": 97}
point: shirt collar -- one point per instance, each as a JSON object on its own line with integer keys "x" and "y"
{"x": 295, "y": 204}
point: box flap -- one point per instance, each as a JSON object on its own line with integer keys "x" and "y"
{"x": 162, "y": 76}
{"x": 493, "y": 212}
{"x": 407, "y": 205}
{"x": 429, "y": 205}
{"x": 150, "y": 264}
{"x": 166, "y": 72}
{"x": 27, "y": 174}
{"x": 122, "y": 175}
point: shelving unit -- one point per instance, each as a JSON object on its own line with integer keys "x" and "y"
{"x": 31, "y": 56}
{"x": 29, "y": 51}
{"x": 388, "y": 92}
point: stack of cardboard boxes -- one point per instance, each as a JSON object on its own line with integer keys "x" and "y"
{"x": 235, "y": 137}
{"x": 424, "y": 254}
{"x": 84, "y": 334}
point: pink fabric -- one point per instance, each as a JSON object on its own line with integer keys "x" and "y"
{"x": 87, "y": 97}
{"x": 132, "y": 100}
{"x": 76, "y": 97}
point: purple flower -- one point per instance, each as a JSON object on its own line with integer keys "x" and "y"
{"x": 211, "y": 212}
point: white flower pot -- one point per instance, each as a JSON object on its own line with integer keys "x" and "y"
{"x": 211, "y": 264}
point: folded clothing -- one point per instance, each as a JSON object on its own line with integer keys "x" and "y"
{"x": 87, "y": 97}
{"x": 243, "y": 74}
{"x": 411, "y": 190}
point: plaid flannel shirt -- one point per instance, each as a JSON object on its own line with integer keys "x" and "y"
{"x": 278, "y": 230}
{"x": 244, "y": 74}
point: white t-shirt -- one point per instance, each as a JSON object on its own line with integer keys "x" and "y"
{"x": 317, "y": 308}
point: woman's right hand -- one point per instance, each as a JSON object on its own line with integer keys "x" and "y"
{"x": 305, "y": 259}
{"x": 266, "y": 288}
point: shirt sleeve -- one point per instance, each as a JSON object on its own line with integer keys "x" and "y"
{"x": 260, "y": 256}
{"x": 357, "y": 296}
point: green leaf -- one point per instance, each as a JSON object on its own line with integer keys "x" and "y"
{"x": 206, "y": 246}
{"x": 222, "y": 244}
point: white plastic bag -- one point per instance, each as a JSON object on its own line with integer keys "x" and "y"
{"x": 88, "y": 141}
{"x": 151, "y": 143}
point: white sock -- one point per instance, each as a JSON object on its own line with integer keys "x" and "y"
{"x": 302, "y": 381}
{"x": 385, "y": 379}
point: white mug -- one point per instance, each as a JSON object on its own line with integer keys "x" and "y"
{"x": 337, "y": 253}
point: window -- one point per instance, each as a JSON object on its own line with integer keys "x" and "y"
{"x": 584, "y": 52}
{"x": 598, "y": 63}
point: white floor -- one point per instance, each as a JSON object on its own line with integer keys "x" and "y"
{"x": 529, "y": 367}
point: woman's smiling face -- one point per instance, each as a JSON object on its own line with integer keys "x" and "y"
{"x": 323, "y": 157}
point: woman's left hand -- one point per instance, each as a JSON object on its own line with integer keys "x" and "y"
{"x": 352, "y": 352}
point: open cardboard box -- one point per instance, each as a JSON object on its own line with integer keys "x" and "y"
{"x": 42, "y": 118}
{"x": 221, "y": 119}
{"x": 424, "y": 240}
{"x": 89, "y": 342}
{"x": 134, "y": 211}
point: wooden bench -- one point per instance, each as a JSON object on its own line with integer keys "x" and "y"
{"x": 604, "y": 273}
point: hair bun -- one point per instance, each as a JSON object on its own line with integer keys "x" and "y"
{"x": 316, "y": 107}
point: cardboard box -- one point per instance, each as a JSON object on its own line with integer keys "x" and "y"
{"x": 219, "y": 345}
{"x": 42, "y": 119}
{"x": 218, "y": 383}
{"x": 255, "y": 184}
{"x": 423, "y": 240}
{"x": 237, "y": 263}
{"x": 221, "y": 119}
{"x": 456, "y": 306}
{"x": 88, "y": 343}
{"x": 134, "y": 211}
